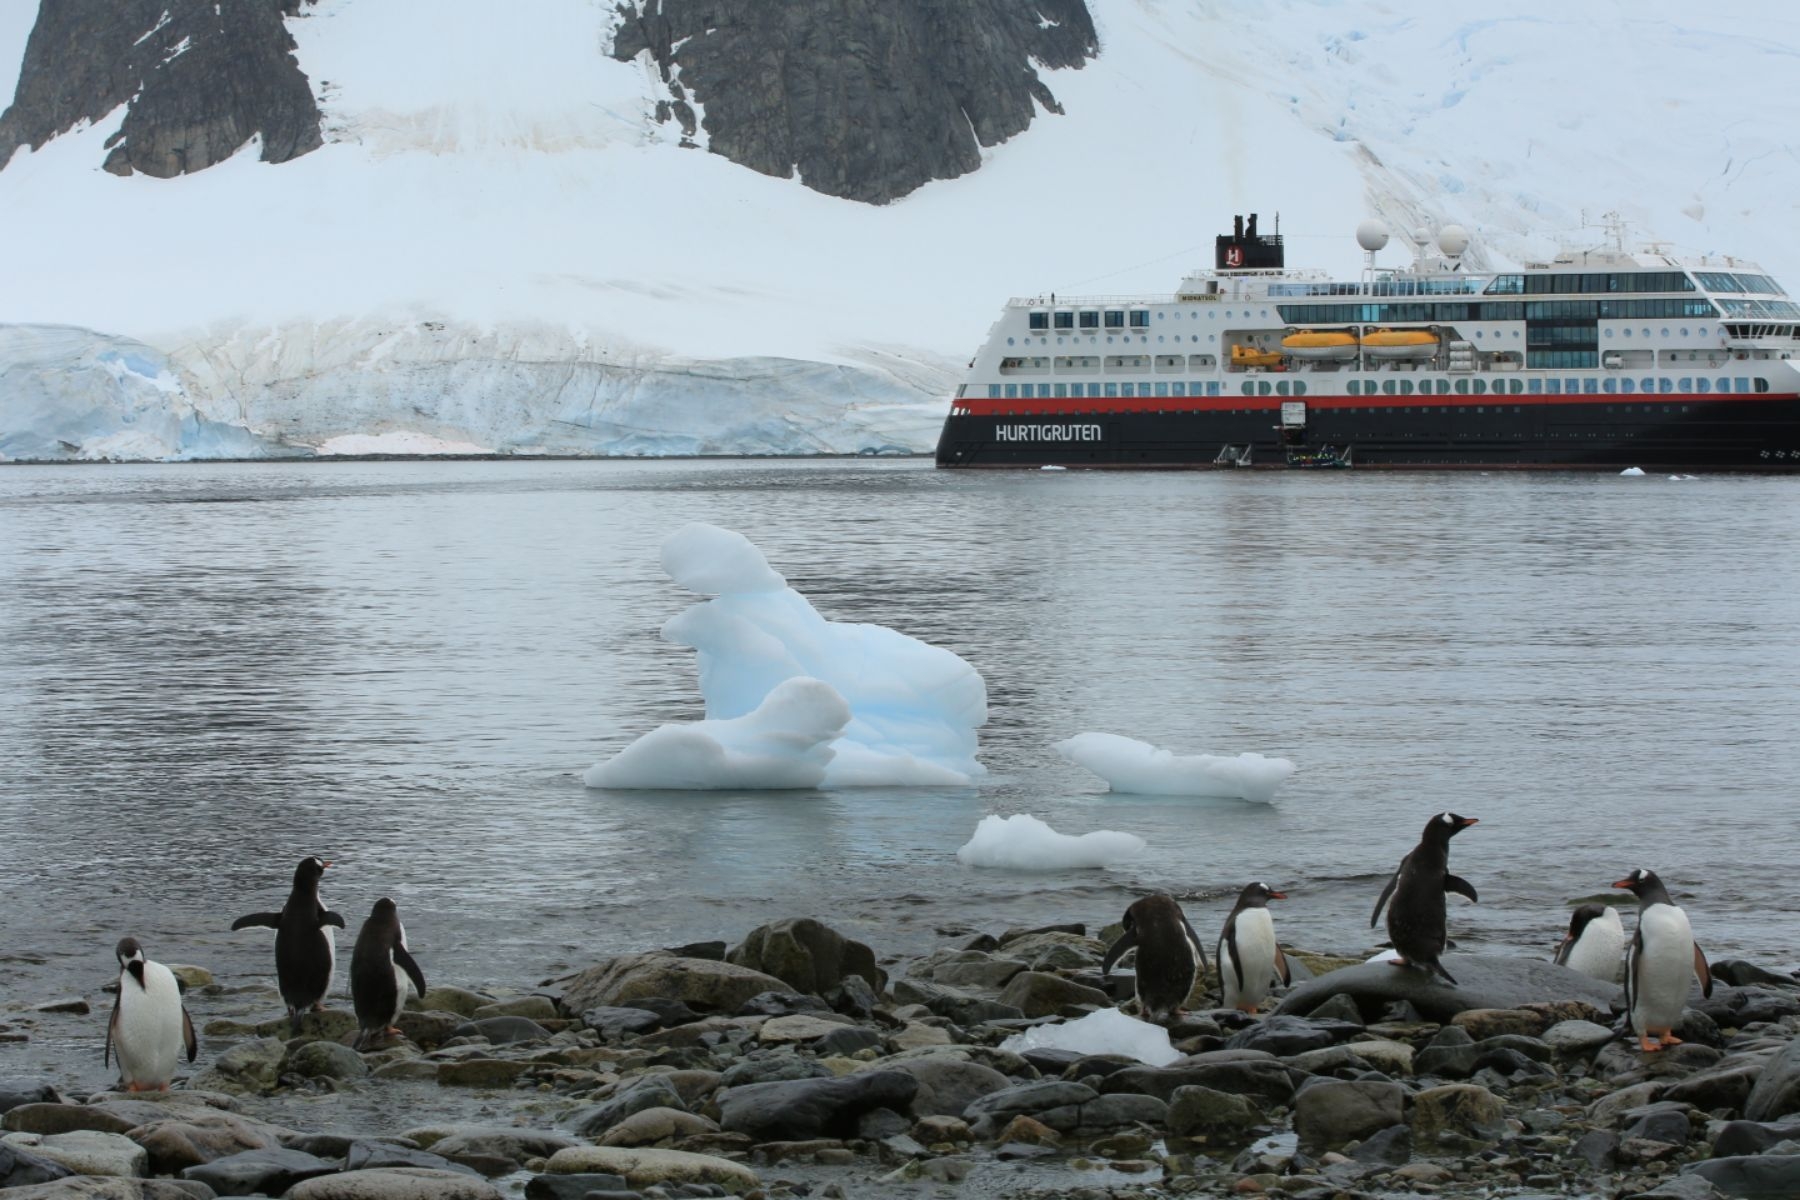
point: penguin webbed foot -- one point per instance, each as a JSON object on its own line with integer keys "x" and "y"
{"x": 1648, "y": 1044}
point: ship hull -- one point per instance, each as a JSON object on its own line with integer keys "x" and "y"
{"x": 1669, "y": 433}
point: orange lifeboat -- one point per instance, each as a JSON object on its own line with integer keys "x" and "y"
{"x": 1323, "y": 344}
{"x": 1250, "y": 356}
{"x": 1400, "y": 343}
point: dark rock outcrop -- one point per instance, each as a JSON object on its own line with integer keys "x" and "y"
{"x": 1484, "y": 981}
{"x": 867, "y": 100}
{"x": 198, "y": 79}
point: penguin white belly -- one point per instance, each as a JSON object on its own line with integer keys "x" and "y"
{"x": 402, "y": 985}
{"x": 148, "y": 1037}
{"x": 1662, "y": 969}
{"x": 1255, "y": 935}
{"x": 330, "y": 933}
{"x": 1600, "y": 951}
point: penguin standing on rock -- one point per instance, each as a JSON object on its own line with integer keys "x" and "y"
{"x": 1169, "y": 955}
{"x": 1661, "y": 963}
{"x": 380, "y": 970}
{"x": 149, "y": 1026}
{"x": 1595, "y": 943}
{"x": 1249, "y": 956}
{"x": 305, "y": 949}
{"x": 1415, "y": 921}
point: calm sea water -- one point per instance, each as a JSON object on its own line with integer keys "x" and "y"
{"x": 210, "y": 671}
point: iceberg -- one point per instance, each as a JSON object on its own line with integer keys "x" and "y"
{"x": 1024, "y": 843}
{"x": 795, "y": 700}
{"x": 1129, "y": 765}
{"x": 1108, "y": 1031}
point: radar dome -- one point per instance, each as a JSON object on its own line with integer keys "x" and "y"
{"x": 1453, "y": 240}
{"x": 1371, "y": 235}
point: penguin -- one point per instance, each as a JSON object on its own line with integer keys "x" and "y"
{"x": 1249, "y": 957}
{"x": 1595, "y": 943}
{"x": 149, "y": 1025}
{"x": 380, "y": 969}
{"x": 1662, "y": 960}
{"x": 1415, "y": 923}
{"x": 305, "y": 950}
{"x": 1169, "y": 955}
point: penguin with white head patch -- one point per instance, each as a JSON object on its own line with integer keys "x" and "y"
{"x": 1250, "y": 959}
{"x": 1169, "y": 955}
{"x": 149, "y": 1026}
{"x": 305, "y": 947}
{"x": 381, "y": 967}
{"x": 1595, "y": 943}
{"x": 1415, "y": 921}
{"x": 1661, "y": 964}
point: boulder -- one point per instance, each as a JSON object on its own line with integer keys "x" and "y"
{"x": 643, "y": 1167}
{"x": 799, "y": 1027}
{"x": 799, "y": 1109}
{"x": 365, "y": 1155}
{"x": 19, "y": 1167}
{"x": 699, "y": 983}
{"x": 1039, "y": 994}
{"x": 648, "y": 1126}
{"x": 807, "y": 955}
{"x": 247, "y": 1069}
{"x": 85, "y": 1151}
{"x": 14, "y": 1092}
{"x": 324, "y": 1060}
{"x": 503, "y": 1029}
{"x": 573, "y": 1187}
{"x": 614, "y": 1024}
{"x": 631, "y": 1096}
{"x": 80, "y": 1187}
{"x": 1204, "y": 1114}
{"x": 187, "y": 1139}
{"x": 485, "y": 1143}
{"x": 1777, "y": 1092}
{"x": 1483, "y": 981}
{"x": 1282, "y": 1036}
{"x": 460, "y": 1001}
{"x": 1758, "y": 1177}
{"x": 1242, "y": 1072}
{"x": 1334, "y": 1111}
{"x": 259, "y": 1172}
{"x": 983, "y": 972}
{"x": 948, "y": 1084}
{"x": 394, "y": 1183}
{"x": 1458, "y": 1110}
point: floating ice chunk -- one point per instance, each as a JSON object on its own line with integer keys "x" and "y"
{"x": 784, "y": 743}
{"x": 1108, "y": 1031}
{"x": 1129, "y": 765}
{"x": 1052, "y": 467}
{"x": 1024, "y": 843}
{"x": 1632, "y": 471}
{"x": 913, "y": 708}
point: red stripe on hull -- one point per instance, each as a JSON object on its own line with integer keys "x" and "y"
{"x": 1090, "y": 405}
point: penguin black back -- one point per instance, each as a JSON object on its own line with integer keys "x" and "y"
{"x": 376, "y": 965}
{"x": 305, "y": 951}
{"x": 1415, "y": 920}
{"x": 1169, "y": 954}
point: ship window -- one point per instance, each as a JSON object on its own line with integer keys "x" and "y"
{"x": 1212, "y": 389}
{"x": 1406, "y": 387}
{"x": 1627, "y": 387}
{"x": 1065, "y": 320}
{"x": 1537, "y": 387}
{"x": 1140, "y": 318}
{"x": 1162, "y": 389}
{"x": 1462, "y": 387}
{"x": 1044, "y": 390}
{"x": 1281, "y": 389}
{"x": 1062, "y": 391}
{"x": 1649, "y": 385}
{"x": 1611, "y": 387}
{"x": 1703, "y": 385}
{"x": 1247, "y": 389}
{"x": 1129, "y": 391}
{"x": 1090, "y": 319}
{"x": 1724, "y": 384}
{"x": 1762, "y": 385}
{"x": 1387, "y": 387}
{"x": 1040, "y": 321}
{"x": 1263, "y": 388}
{"x": 1112, "y": 389}
{"x": 1299, "y": 387}
{"x": 1012, "y": 391}
{"x": 994, "y": 392}
{"x": 1115, "y": 318}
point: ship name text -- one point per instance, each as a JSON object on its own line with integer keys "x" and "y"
{"x": 1046, "y": 433}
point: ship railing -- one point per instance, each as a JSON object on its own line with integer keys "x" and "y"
{"x": 1058, "y": 300}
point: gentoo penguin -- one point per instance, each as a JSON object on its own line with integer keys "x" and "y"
{"x": 380, "y": 968}
{"x": 1595, "y": 943}
{"x": 1249, "y": 957}
{"x": 1169, "y": 955}
{"x": 149, "y": 1026}
{"x": 1415, "y": 922}
{"x": 1662, "y": 960}
{"x": 305, "y": 950}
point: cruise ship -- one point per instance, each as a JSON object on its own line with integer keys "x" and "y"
{"x": 1602, "y": 359}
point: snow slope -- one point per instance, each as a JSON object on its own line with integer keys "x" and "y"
{"x": 498, "y": 246}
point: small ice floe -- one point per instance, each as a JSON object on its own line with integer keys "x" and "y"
{"x": 1129, "y": 765}
{"x": 1677, "y": 477}
{"x": 875, "y": 708}
{"x": 1632, "y": 471}
{"x": 1052, "y": 467}
{"x": 1107, "y": 1031}
{"x": 1024, "y": 843}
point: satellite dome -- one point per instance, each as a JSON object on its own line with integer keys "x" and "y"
{"x": 1421, "y": 237}
{"x": 1453, "y": 240}
{"x": 1371, "y": 235}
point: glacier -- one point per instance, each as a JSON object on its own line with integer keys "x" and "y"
{"x": 794, "y": 700}
{"x": 500, "y": 247}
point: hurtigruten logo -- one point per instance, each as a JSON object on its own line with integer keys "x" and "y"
{"x": 1046, "y": 433}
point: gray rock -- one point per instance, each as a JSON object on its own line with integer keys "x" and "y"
{"x": 982, "y": 973}
{"x": 1724, "y": 1087}
{"x": 948, "y": 1085}
{"x": 324, "y": 1060}
{"x": 248, "y": 1068}
{"x": 1761, "y": 1177}
{"x": 476, "y": 1144}
{"x": 397, "y": 1183}
{"x": 1737, "y": 973}
{"x": 259, "y": 1172}
{"x": 572, "y": 1187}
{"x": 992, "y": 1111}
{"x": 80, "y": 1187}
{"x": 85, "y": 1151}
{"x": 1577, "y": 1037}
{"x": 807, "y": 955}
{"x": 1484, "y": 981}
{"x": 846, "y": 1040}
{"x": 1038, "y": 994}
{"x": 1244, "y": 1072}
{"x": 1451, "y": 1054}
{"x": 634, "y": 980}
{"x": 19, "y": 1167}
{"x": 1741, "y": 1006}
{"x": 505, "y": 1030}
{"x": 1205, "y": 1114}
{"x": 1391, "y": 1147}
{"x": 1282, "y": 1036}
{"x": 854, "y": 998}
{"x": 1660, "y": 1122}
{"x": 1458, "y": 1110}
{"x": 798, "y": 1109}
{"x": 631, "y": 1096}
{"x": 1599, "y": 1148}
{"x": 14, "y": 1092}
{"x": 1119, "y": 1110}
{"x": 614, "y": 1024}
{"x": 1777, "y": 1092}
{"x": 187, "y": 1138}
{"x": 1335, "y": 1111}
{"x": 966, "y": 1010}
{"x": 1751, "y": 1137}
{"x": 365, "y": 1155}
{"x": 772, "y": 1070}
{"x": 649, "y": 1126}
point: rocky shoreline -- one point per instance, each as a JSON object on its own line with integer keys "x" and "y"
{"x": 794, "y": 1063}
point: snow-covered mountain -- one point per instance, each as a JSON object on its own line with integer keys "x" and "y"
{"x": 564, "y": 225}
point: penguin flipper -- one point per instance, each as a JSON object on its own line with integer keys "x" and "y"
{"x": 1561, "y": 957}
{"x": 1632, "y": 954}
{"x": 1116, "y": 951}
{"x": 1461, "y": 886}
{"x": 112, "y": 1025}
{"x": 1702, "y": 970}
{"x": 270, "y": 919}
{"x": 1437, "y": 968}
{"x": 1229, "y": 942}
{"x": 187, "y": 1034}
{"x": 1199, "y": 946}
{"x": 327, "y": 917}
{"x": 1281, "y": 967}
{"x": 1382, "y": 902}
{"x": 404, "y": 960}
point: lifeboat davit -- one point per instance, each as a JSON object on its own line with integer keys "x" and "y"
{"x": 1250, "y": 356}
{"x": 1400, "y": 343}
{"x": 1320, "y": 344}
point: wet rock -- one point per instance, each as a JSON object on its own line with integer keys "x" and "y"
{"x": 1451, "y": 1054}
{"x": 1329, "y": 1113}
{"x": 948, "y": 1085}
{"x": 20, "y": 1167}
{"x": 807, "y": 955}
{"x": 1119, "y": 1110}
{"x": 85, "y": 1152}
{"x": 644, "y": 1167}
{"x": 1038, "y": 994}
{"x": 76, "y": 1006}
{"x": 1727, "y": 1087}
{"x": 1484, "y": 1023}
{"x": 649, "y": 1126}
{"x": 632, "y": 980}
{"x": 477, "y": 1144}
{"x": 1599, "y": 1148}
{"x": 614, "y": 1024}
{"x": 938, "y": 1130}
{"x": 1391, "y": 1147}
{"x": 532, "y": 1008}
{"x": 395, "y": 1183}
{"x": 982, "y": 973}
{"x": 846, "y": 1040}
{"x": 1458, "y": 1110}
{"x": 1244, "y": 1072}
{"x": 331, "y": 1025}
{"x": 800, "y": 1027}
{"x": 1738, "y": 973}
{"x": 781, "y": 1004}
{"x": 427, "y": 1028}
{"x": 995, "y": 1110}
{"x": 808, "y": 1108}
{"x": 1659, "y": 1122}
{"x": 1484, "y": 981}
{"x": 79, "y": 1187}
{"x": 1390, "y": 1058}
{"x": 504, "y": 1030}
{"x": 259, "y": 1172}
{"x": 854, "y": 998}
{"x": 966, "y": 1010}
{"x": 918, "y": 1036}
{"x": 1282, "y": 1036}
{"x": 481, "y": 1073}
{"x": 1762, "y": 1177}
{"x": 772, "y": 1069}
{"x": 324, "y": 1060}
{"x": 1752, "y": 1137}
{"x": 365, "y": 1155}
{"x": 460, "y": 1001}
{"x": 573, "y": 1187}
{"x": 631, "y": 1096}
{"x": 1205, "y": 1114}
{"x": 246, "y": 1069}
{"x": 1777, "y": 1092}
{"x": 1741, "y": 1006}
{"x": 189, "y": 1139}
{"x": 64, "y": 1118}
{"x": 1577, "y": 1037}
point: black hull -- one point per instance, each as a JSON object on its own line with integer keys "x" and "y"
{"x": 1761, "y": 434}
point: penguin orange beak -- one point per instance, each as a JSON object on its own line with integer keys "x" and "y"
{"x": 1468, "y": 821}
{"x": 1278, "y": 895}
{"x": 326, "y": 864}
{"x": 1623, "y": 883}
